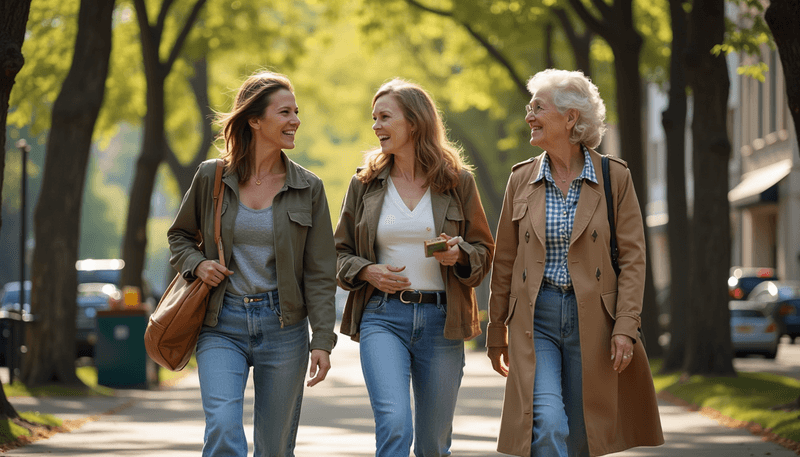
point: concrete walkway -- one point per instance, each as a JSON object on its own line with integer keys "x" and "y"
{"x": 336, "y": 420}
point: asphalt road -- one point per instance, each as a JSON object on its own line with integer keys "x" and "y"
{"x": 787, "y": 363}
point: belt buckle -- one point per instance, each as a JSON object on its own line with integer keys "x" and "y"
{"x": 406, "y": 301}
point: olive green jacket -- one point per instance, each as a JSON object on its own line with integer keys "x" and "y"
{"x": 456, "y": 212}
{"x": 304, "y": 250}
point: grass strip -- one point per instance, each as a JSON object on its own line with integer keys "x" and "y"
{"x": 747, "y": 399}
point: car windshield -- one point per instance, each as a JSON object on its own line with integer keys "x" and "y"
{"x": 107, "y": 276}
{"x": 93, "y": 300}
{"x": 746, "y": 313}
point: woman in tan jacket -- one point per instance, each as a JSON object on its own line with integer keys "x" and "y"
{"x": 412, "y": 312}
{"x": 563, "y": 327}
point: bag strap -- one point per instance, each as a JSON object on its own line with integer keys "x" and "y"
{"x": 611, "y": 218}
{"x": 219, "y": 190}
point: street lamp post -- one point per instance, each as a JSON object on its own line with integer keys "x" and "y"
{"x": 13, "y": 355}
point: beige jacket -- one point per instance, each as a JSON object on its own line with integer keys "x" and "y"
{"x": 456, "y": 212}
{"x": 304, "y": 253}
{"x": 620, "y": 410}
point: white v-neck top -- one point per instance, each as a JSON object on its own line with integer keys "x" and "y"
{"x": 400, "y": 237}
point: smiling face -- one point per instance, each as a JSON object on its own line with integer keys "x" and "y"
{"x": 391, "y": 126}
{"x": 276, "y": 128}
{"x": 548, "y": 127}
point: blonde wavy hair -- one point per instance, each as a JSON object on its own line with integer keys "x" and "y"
{"x": 251, "y": 101}
{"x": 440, "y": 159}
{"x": 573, "y": 90}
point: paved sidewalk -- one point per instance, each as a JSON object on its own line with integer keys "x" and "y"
{"x": 336, "y": 420}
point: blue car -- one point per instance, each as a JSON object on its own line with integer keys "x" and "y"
{"x": 753, "y": 330}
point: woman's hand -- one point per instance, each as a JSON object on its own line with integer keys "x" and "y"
{"x": 320, "y": 364}
{"x": 499, "y": 358}
{"x": 453, "y": 254}
{"x": 383, "y": 277}
{"x": 211, "y": 272}
{"x": 621, "y": 352}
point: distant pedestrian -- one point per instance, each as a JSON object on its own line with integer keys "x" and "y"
{"x": 278, "y": 241}
{"x": 412, "y": 312}
{"x": 562, "y": 325}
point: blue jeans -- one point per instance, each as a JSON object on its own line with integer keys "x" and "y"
{"x": 558, "y": 426}
{"x": 402, "y": 344}
{"x": 249, "y": 334}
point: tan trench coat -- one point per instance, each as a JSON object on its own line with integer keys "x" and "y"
{"x": 620, "y": 410}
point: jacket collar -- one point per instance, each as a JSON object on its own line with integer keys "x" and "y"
{"x": 295, "y": 178}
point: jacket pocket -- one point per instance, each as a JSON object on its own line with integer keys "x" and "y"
{"x": 610, "y": 303}
{"x": 454, "y": 214}
{"x": 300, "y": 217}
{"x": 519, "y": 210}
{"x": 512, "y": 305}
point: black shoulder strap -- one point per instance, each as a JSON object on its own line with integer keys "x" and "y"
{"x": 611, "y": 218}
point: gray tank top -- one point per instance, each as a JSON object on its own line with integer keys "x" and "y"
{"x": 253, "y": 255}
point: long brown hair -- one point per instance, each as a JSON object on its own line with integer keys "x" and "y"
{"x": 251, "y": 101}
{"x": 439, "y": 158}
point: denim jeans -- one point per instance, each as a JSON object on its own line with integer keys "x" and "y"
{"x": 249, "y": 334}
{"x": 558, "y": 425}
{"x": 403, "y": 344}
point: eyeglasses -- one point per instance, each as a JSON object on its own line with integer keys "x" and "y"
{"x": 534, "y": 107}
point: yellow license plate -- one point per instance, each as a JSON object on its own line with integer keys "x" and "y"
{"x": 744, "y": 329}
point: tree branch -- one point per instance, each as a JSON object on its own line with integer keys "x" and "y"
{"x": 605, "y": 11}
{"x": 187, "y": 27}
{"x": 597, "y": 26}
{"x": 162, "y": 15}
{"x": 496, "y": 54}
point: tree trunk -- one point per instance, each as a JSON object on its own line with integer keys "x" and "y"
{"x": 708, "y": 343}
{"x": 616, "y": 27}
{"x": 57, "y": 216}
{"x": 674, "y": 122}
{"x": 782, "y": 17}
{"x": 13, "y": 17}
{"x": 134, "y": 246}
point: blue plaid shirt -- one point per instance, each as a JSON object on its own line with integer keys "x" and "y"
{"x": 560, "y": 218}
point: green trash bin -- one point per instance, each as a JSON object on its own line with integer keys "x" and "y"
{"x": 120, "y": 357}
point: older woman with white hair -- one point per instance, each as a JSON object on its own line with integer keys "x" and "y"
{"x": 563, "y": 324}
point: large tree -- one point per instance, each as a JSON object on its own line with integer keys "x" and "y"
{"x": 156, "y": 69}
{"x": 57, "y": 217}
{"x": 674, "y": 121}
{"x": 782, "y": 17}
{"x": 13, "y": 17}
{"x": 708, "y": 344}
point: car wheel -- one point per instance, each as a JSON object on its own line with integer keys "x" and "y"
{"x": 772, "y": 354}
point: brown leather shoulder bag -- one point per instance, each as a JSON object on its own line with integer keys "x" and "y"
{"x": 174, "y": 326}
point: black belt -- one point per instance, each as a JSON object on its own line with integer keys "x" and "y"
{"x": 416, "y": 296}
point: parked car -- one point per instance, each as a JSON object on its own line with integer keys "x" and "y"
{"x": 744, "y": 279}
{"x": 784, "y": 294}
{"x": 110, "y": 271}
{"x": 10, "y": 308}
{"x": 753, "y": 330}
{"x": 92, "y": 297}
